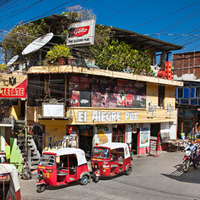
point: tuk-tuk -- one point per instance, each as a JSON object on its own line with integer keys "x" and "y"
{"x": 9, "y": 182}
{"x": 3, "y": 158}
{"x": 110, "y": 159}
{"x": 61, "y": 167}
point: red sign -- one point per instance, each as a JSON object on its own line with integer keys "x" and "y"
{"x": 80, "y": 31}
{"x": 13, "y": 86}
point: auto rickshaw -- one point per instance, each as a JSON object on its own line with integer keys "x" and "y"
{"x": 61, "y": 167}
{"x": 3, "y": 158}
{"x": 110, "y": 159}
{"x": 9, "y": 182}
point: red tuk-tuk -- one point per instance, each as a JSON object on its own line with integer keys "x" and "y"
{"x": 61, "y": 167}
{"x": 9, "y": 182}
{"x": 110, "y": 159}
{"x": 3, "y": 158}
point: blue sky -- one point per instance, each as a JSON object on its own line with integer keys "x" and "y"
{"x": 172, "y": 21}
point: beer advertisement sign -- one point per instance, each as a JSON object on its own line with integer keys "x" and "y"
{"x": 81, "y": 33}
{"x": 13, "y": 86}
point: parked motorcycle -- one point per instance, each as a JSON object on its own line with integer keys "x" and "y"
{"x": 188, "y": 159}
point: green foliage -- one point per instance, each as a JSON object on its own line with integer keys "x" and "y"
{"x": 3, "y": 67}
{"x": 78, "y": 13}
{"x": 119, "y": 56}
{"x": 58, "y": 51}
{"x": 111, "y": 54}
{"x": 15, "y": 41}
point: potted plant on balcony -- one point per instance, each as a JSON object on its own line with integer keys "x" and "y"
{"x": 58, "y": 53}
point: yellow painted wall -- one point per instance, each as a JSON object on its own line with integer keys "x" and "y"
{"x": 170, "y": 95}
{"x": 152, "y": 94}
{"x": 54, "y": 129}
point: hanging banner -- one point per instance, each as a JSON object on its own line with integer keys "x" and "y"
{"x": 13, "y": 86}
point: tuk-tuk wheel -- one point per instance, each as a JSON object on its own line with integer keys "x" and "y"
{"x": 84, "y": 180}
{"x": 96, "y": 179}
{"x": 128, "y": 171}
{"x": 41, "y": 188}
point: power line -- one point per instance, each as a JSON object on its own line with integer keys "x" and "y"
{"x": 165, "y": 15}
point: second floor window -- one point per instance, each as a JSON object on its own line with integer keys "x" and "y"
{"x": 161, "y": 95}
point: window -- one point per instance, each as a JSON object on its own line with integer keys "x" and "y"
{"x": 180, "y": 92}
{"x": 186, "y": 93}
{"x": 161, "y": 95}
{"x": 194, "y": 101}
{"x": 47, "y": 160}
{"x": 184, "y": 101}
{"x": 192, "y": 93}
{"x": 100, "y": 153}
{"x": 198, "y": 92}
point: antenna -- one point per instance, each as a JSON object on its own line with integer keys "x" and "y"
{"x": 37, "y": 43}
{"x": 12, "y": 60}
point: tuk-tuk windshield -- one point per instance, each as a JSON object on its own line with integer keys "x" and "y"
{"x": 99, "y": 152}
{"x": 47, "y": 160}
{"x": 3, "y": 158}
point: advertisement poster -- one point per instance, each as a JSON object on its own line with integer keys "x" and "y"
{"x": 121, "y": 97}
{"x": 74, "y": 78}
{"x": 13, "y": 86}
{"x": 139, "y": 95}
{"x": 95, "y": 96}
{"x": 84, "y": 99}
{"x": 144, "y": 136}
{"x": 102, "y": 134}
{"x": 74, "y": 98}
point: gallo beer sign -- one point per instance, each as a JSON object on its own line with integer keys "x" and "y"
{"x": 81, "y": 33}
{"x": 13, "y": 86}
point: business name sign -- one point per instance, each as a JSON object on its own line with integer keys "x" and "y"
{"x": 81, "y": 33}
{"x": 13, "y": 86}
{"x": 102, "y": 116}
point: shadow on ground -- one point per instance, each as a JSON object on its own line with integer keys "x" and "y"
{"x": 192, "y": 176}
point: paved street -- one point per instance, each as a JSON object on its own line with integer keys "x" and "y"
{"x": 152, "y": 178}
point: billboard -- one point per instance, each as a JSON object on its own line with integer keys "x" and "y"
{"x": 13, "y": 86}
{"x": 81, "y": 33}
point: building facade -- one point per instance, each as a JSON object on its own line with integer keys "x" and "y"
{"x": 98, "y": 106}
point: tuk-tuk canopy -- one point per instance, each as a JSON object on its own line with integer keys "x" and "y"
{"x": 10, "y": 169}
{"x": 80, "y": 154}
{"x": 116, "y": 145}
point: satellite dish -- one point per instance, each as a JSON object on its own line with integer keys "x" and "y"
{"x": 12, "y": 60}
{"x": 37, "y": 43}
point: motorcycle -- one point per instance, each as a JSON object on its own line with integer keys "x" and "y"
{"x": 188, "y": 159}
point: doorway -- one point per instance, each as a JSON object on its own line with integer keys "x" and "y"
{"x": 135, "y": 141}
{"x": 155, "y": 128}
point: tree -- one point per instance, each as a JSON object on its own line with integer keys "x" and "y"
{"x": 107, "y": 51}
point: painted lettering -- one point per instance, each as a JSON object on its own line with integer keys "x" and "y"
{"x": 131, "y": 116}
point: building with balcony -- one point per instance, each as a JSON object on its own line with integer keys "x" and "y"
{"x": 99, "y": 106}
{"x": 80, "y": 105}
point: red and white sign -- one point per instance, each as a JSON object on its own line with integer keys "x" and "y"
{"x": 13, "y": 86}
{"x": 81, "y": 33}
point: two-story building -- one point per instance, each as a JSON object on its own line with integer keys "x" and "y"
{"x": 91, "y": 106}
{"x": 97, "y": 106}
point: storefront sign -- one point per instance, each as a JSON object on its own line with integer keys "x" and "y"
{"x": 13, "y": 86}
{"x": 104, "y": 127}
{"x": 102, "y": 116}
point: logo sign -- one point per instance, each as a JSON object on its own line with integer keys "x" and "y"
{"x": 13, "y": 86}
{"x": 81, "y": 33}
